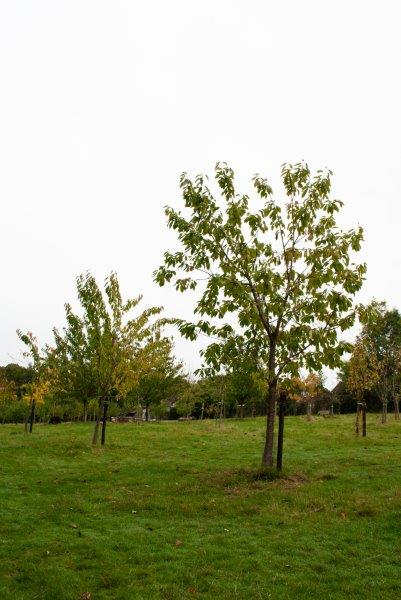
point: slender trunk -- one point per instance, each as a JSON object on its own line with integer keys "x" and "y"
{"x": 364, "y": 419}
{"x": 32, "y": 416}
{"x": 384, "y": 410}
{"x": 85, "y": 411}
{"x": 280, "y": 438}
{"x": 396, "y": 409}
{"x": 267, "y": 456}
{"x": 331, "y": 411}
{"x": 203, "y": 408}
{"x": 309, "y": 411}
{"x": 27, "y": 418}
{"x": 146, "y": 413}
{"x": 97, "y": 423}
{"x": 104, "y": 421}
{"x": 357, "y": 418}
{"x": 242, "y": 411}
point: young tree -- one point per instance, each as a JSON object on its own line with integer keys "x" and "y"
{"x": 362, "y": 375}
{"x": 102, "y": 353}
{"x": 313, "y": 386}
{"x": 35, "y": 394}
{"x": 282, "y": 272}
{"x": 306, "y": 390}
{"x": 381, "y": 341}
{"x": 246, "y": 389}
{"x": 161, "y": 381}
{"x": 35, "y": 391}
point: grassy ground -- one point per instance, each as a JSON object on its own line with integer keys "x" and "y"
{"x": 174, "y": 511}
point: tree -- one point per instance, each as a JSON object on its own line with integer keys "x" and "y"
{"x": 246, "y": 390}
{"x": 35, "y": 391}
{"x": 160, "y": 382}
{"x": 8, "y": 394}
{"x": 380, "y": 339}
{"x": 277, "y": 284}
{"x": 362, "y": 375}
{"x": 103, "y": 353}
{"x": 307, "y": 390}
{"x": 17, "y": 375}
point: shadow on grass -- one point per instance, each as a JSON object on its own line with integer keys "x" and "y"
{"x": 255, "y": 477}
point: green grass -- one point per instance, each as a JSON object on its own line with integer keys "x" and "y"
{"x": 177, "y": 511}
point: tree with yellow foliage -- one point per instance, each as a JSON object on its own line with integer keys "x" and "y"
{"x": 34, "y": 395}
{"x": 363, "y": 374}
{"x": 35, "y": 391}
{"x": 306, "y": 390}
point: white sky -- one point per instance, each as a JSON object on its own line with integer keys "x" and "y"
{"x": 104, "y": 104}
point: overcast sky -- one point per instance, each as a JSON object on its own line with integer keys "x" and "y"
{"x": 104, "y": 104}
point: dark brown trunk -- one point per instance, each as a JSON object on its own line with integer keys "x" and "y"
{"x": 267, "y": 457}
{"x": 27, "y": 418}
{"x": 146, "y": 413}
{"x": 32, "y": 416}
{"x": 364, "y": 419}
{"x": 309, "y": 411}
{"x": 105, "y": 407}
{"x": 280, "y": 438}
{"x": 357, "y": 418}
{"x": 97, "y": 423}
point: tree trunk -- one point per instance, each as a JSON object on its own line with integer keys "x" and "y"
{"x": 105, "y": 407}
{"x": 280, "y": 438}
{"x": 85, "y": 411}
{"x": 396, "y": 409}
{"x": 97, "y": 423}
{"x": 146, "y": 413}
{"x": 384, "y": 411}
{"x": 309, "y": 411}
{"x": 357, "y": 418}
{"x": 364, "y": 419}
{"x": 203, "y": 408}
{"x": 267, "y": 456}
{"x": 27, "y": 418}
{"x": 32, "y": 416}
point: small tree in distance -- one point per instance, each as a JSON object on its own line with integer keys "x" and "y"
{"x": 35, "y": 390}
{"x": 380, "y": 339}
{"x": 306, "y": 390}
{"x": 278, "y": 283}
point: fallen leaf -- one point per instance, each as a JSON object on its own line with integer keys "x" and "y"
{"x": 73, "y": 526}
{"x": 178, "y": 543}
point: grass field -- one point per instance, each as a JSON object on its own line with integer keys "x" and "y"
{"x": 176, "y": 511}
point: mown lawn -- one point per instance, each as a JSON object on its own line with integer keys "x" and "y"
{"x": 174, "y": 511}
